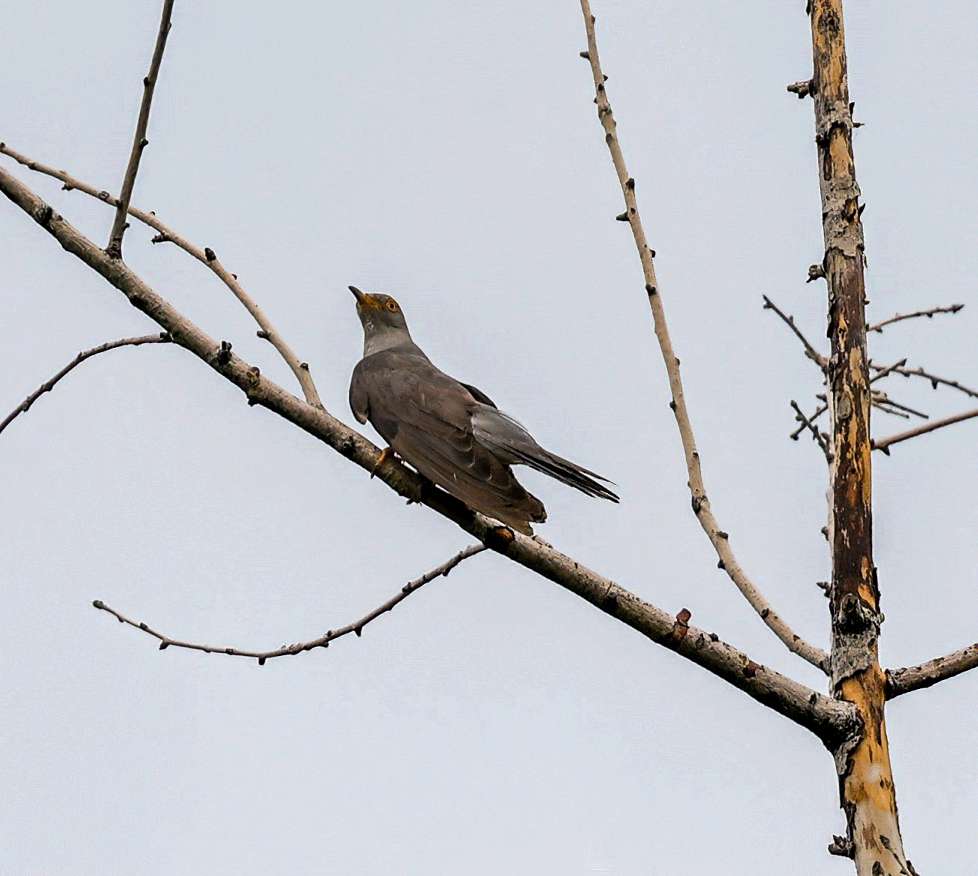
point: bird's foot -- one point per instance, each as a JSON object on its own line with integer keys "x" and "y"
{"x": 386, "y": 454}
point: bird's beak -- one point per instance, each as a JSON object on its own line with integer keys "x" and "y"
{"x": 361, "y": 298}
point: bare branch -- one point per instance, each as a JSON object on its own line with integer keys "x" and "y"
{"x": 205, "y": 255}
{"x": 299, "y": 647}
{"x": 810, "y": 350}
{"x": 885, "y": 444}
{"x": 701, "y": 504}
{"x": 901, "y": 681}
{"x": 806, "y": 423}
{"x": 48, "y": 385}
{"x": 821, "y": 409}
{"x": 882, "y": 401}
{"x": 139, "y": 141}
{"x": 829, "y": 719}
{"x": 899, "y": 317}
{"x": 933, "y": 379}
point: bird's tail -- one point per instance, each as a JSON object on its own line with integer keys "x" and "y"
{"x": 565, "y": 471}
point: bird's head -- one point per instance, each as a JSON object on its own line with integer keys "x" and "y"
{"x": 379, "y": 313}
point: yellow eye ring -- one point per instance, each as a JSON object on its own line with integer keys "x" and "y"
{"x": 392, "y": 306}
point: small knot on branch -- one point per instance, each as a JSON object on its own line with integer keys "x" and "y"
{"x": 585, "y": 55}
{"x": 224, "y": 353}
{"x": 802, "y": 89}
{"x": 841, "y": 846}
{"x": 815, "y": 272}
{"x": 209, "y": 254}
{"x": 681, "y": 625}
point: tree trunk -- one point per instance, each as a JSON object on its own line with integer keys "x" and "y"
{"x": 866, "y": 782}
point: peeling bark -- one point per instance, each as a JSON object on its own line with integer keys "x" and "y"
{"x": 865, "y": 777}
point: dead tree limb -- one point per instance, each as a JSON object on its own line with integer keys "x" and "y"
{"x": 789, "y": 321}
{"x": 884, "y": 444}
{"x": 48, "y": 385}
{"x": 900, "y": 317}
{"x": 718, "y": 537}
{"x": 139, "y": 141}
{"x": 933, "y": 379}
{"x": 901, "y": 681}
{"x": 832, "y": 721}
{"x": 205, "y": 255}
{"x": 322, "y": 641}
{"x": 866, "y": 784}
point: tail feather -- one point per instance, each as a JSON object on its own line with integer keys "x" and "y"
{"x": 566, "y": 472}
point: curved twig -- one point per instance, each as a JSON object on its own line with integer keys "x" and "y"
{"x": 204, "y": 255}
{"x": 299, "y": 647}
{"x": 139, "y": 141}
{"x": 884, "y": 444}
{"x": 899, "y": 317}
{"x": 701, "y": 503}
{"x": 48, "y": 385}
{"x": 901, "y": 681}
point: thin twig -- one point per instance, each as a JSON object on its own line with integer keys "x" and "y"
{"x": 933, "y": 379}
{"x": 899, "y": 317}
{"x": 139, "y": 141}
{"x": 883, "y": 401}
{"x": 789, "y": 321}
{"x": 299, "y": 647}
{"x": 701, "y": 503}
{"x": 204, "y": 255}
{"x": 901, "y": 681}
{"x": 884, "y": 444}
{"x": 821, "y": 409}
{"x": 816, "y": 435}
{"x": 885, "y": 371}
{"x": 48, "y": 385}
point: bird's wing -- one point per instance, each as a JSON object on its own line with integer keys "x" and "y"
{"x": 426, "y": 416}
{"x": 508, "y": 440}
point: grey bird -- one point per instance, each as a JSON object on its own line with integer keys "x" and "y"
{"x": 451, "y": 432}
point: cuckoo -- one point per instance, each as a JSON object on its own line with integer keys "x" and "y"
{"x": 451, "y": 432}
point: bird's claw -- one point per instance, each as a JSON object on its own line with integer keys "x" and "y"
{"x": 386, "y": 454}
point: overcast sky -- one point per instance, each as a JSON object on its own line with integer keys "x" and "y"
{"x": 448, "y": 153}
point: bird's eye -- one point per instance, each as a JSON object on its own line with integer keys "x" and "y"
{"x": 392, "y": 305}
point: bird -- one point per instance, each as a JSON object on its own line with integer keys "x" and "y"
{"x": 451, "y": 432}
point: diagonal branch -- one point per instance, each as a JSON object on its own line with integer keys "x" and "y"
{"x": 899, "y": 317}
{"x": 807, "y": 423}
{"x": 701, "y": 504}
{"x": 933, "y": 379}
{"x": 789, "y": 320}
{"x": 299, "y": 647}
{"x": 830, "y": 720}
{"x": 48, "y": 385}
{"x": 139, "y": 141}
{"x": 901, "y": 681}
{"x": 204, "y": 255}
{"x": 885, "y": 444}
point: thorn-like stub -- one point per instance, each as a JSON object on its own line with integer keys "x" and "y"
{"x": 630, "y": 184}
{"x": 209, "y": 254}
{"x": 680, "y": 626}
{"x": 261, "y": 333}
{"x": 164, "y": 645}
{"x": 802, "y": 89}
{"x": 96, "y": 603}
{"x": 585, "y": 55}
{"x": 650, "y": 290}
{"x": 815, "y": 272}
{"x": 224, "y": 353}
{"x": 622, "y": 217}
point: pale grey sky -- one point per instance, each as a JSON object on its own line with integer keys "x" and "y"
{"x": 449, "y": 154}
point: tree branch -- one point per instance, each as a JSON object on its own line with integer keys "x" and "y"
{"x": 816, "y": 435}
{"x": 139, "y": 141}
{"x": 884, "y": 444}
{"x": 48, "y": 385}
{"x": 701, "y": 503}
{"x": 205, "y": 256}
{"x": 299, "y": 647}
{"x": 899, "y": 317}
{"x": 933, "y": 379}
{"x": 901, "y": 681}
{"x": 789, "y": 321}
{"x": 831, "y": 720}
